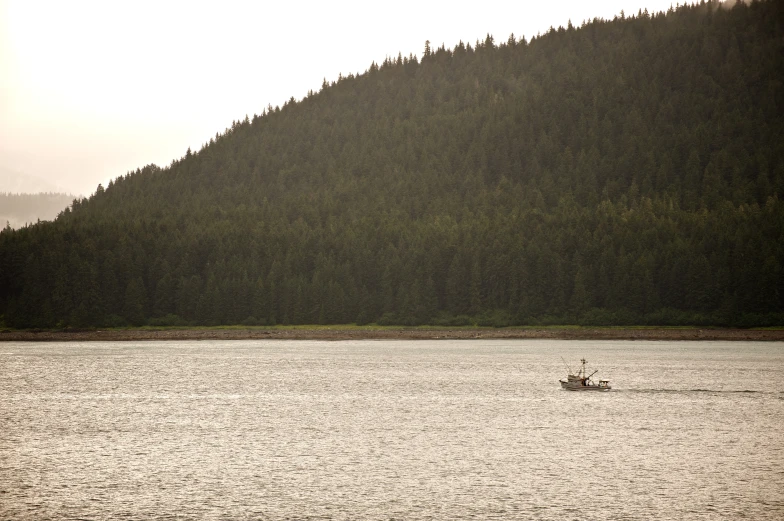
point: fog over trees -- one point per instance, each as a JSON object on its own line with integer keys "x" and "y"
{"x": 16, "y": 210}
{"x": 628, "y": 171}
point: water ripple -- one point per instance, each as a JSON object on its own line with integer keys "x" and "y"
{"x": 389, "y": 430}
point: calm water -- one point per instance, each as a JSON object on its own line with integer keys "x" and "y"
{"x": 383, "y": 430}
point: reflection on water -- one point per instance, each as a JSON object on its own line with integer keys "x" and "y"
{"x": 381, "y": 430}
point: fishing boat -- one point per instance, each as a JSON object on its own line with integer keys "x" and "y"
{"x": 581, "y": 381}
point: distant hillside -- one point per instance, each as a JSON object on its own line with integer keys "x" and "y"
{"x": 13, "y": 181}
{"x": 627, "y": 171}
{"x": 19, "y": 209}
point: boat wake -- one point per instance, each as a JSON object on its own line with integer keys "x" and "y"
{"x": 714, "y": 391}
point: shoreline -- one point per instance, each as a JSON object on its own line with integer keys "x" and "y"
{"x": 401, "y": 333}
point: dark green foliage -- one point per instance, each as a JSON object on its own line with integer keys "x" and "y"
{"x": 628, "y": 171}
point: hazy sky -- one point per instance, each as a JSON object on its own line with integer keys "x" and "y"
{"x": 92, "y": 89}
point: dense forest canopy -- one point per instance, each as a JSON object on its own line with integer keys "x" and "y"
{"x": 626, "y": 171}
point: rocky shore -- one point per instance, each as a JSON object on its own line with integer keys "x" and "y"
{"x": 370, "y": 333}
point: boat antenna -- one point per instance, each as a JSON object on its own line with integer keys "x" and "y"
{"x": 567, "y": 365}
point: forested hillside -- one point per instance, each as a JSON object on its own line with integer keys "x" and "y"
{"x": 626, "y": 171}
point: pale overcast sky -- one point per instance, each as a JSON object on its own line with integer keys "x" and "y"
{"x": 92, "y": 89}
